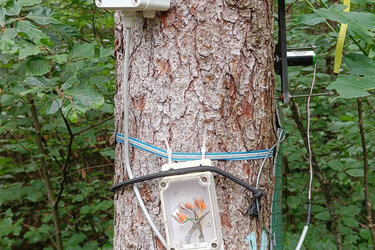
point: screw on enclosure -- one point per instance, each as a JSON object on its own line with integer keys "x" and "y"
{"x": 204, "y": 179}
{"x": 214, "y": 245}
{"x": 99, "y": 2}
{"x": 163, "y": 185}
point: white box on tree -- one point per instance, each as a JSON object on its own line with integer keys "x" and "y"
{"x": 135, "y": 5}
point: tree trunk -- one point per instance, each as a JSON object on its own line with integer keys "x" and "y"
{"x": 200, "y": 65}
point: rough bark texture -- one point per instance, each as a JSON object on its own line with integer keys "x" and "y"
{"x": 203, "y": 64}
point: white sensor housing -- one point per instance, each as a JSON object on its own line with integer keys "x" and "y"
{"x": 190, "y": 209}
{"x": 134, "y": 5}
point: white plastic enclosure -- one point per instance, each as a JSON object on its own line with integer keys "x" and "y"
{"x": 136, "y": 5}
{"x": 190, "y": 209}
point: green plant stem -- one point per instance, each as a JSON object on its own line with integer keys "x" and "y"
{"x": 322, "y": 179}
{"x": 358, "y": 45}
{"x": 365, "y": 172}
{"x": 312, "y": 7}
{"x": 45, "y": 174}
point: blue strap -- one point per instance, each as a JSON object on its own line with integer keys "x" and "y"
{"x": 248, "y": 155}
{"x": 252, "y": 240}
{"x": 264, "y": 242}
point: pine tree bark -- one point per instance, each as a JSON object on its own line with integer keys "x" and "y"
{"x": 200, "y": 65}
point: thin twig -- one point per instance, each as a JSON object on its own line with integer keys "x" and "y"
{"x": 35, "y": 228}
{"x": 93, "y": 126}
{"x": 18, "y": 142}
{"x": 365, "y": 173}
{"x": 105, "y": 157}
{"x": 98, "y": 166}
{"x": 290, "y": 5}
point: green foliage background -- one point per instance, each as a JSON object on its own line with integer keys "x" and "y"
{"x": 60, "y": 55}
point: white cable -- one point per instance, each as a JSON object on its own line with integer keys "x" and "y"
{"x": 308, "y": 131}
{"x": 169, "y": 150}
{"x": 302, "y": 238}
{"x": 128, "y": 22}
{"x": 203, "y": 149}
{"x": 279, "y": 140}
{"x": 306, "y": 227}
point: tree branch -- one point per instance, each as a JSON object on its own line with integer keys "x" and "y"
{"x": 365, "y": 173}
{"x": 45, "y": 174}
{"x": 67, "y": 159}
{"x": 324, "y": 182}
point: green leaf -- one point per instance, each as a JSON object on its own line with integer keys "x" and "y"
{"x": 365, "y": 233}
{"x": 335, "y": 14}
{"x": 9, "y": 212}
{"x": 17, "y": 228}
{"x": 31, "y": 30}
{"x": 349, "y": 210}
{"x": 72, "y": 112}
{"x": 350, "y": 221}
{"x": 69, "y": 83}
{"x": 60, "y": 59}
{"x": 13, "y": 9}
{"x": 66, "y": 32}
{"x": 76, "y": 239}
{"x": 35, "y": 190}
{"x": 2, "y": 16}
{"x": 39, "y": 81}
{"x": 38, "y": 66}
{"x": 52, "y": 106}
{"x": 85, "y": 50}
{"x": 5, "y": 226}
{"x": 28, "y": 50}
{"x": 103, "y": 205}
{"x": 7, "y": 39}
{"x": 350, "y": 86}
{"x": 335, "y": 165}
{"x": 86, "y": 97}
{"x": 364, "y": 19}
{"x": 310, "y": 19}
{"x": 323, "y": 216}
{"x": 32, "y": 235}
{"x": 29, "y": 2}
{"x": 355, "y": 172}
{"x": 79, "y": 197}
{"x": 85, "y": 209}
{"x": 106, "y": 53}
{"x": 360, "y": 64}
{"x": 109, "y": 153}
{"x": 42, "y": 20}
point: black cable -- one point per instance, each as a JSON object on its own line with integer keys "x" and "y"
{"x": 256, "y": 192}
{"x": 308, "y": 212}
